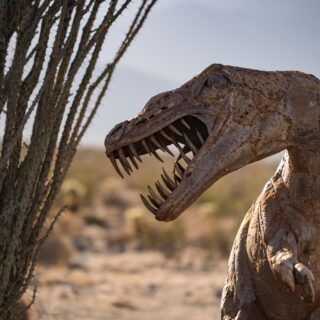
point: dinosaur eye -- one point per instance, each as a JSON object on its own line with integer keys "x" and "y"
{"x": 218, "y": 80}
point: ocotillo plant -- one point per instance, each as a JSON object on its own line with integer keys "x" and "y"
{"x": 49, "y": 82}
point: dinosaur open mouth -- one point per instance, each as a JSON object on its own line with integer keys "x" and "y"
{"x": 187, "y": 135}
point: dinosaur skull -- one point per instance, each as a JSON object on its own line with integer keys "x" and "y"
{"x": 219, "y": 121}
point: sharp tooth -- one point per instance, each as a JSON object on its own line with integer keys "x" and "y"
{"x": 185, "y": 150}
{"x": 181, "y": 167}
{"x": 115, "y": 165}
{"x": 124, "y": 161}
{"x": 177, "y": 179}
{"x": 156, "y": 143}
{"x": 200, "y": 137}
{"x": 183, "y": 155}
{"x": 167, "y": 176}
{"x": 178, "y": 167}
{"x": 164, "y": 194}
{"x": 168, "y": 181}
{"x": 185, "y": 123}
{"x": 168, "y": 150}
{"x": 162, "y": 145}
{"x": 154, "y": 202}
{"x": 131, "y": 156}
{"x": 154, "y": 195}
{"x": 175, "y": 130}
{"x": 190, "y": 144}
{"x": 154, "y": 152}
{"x": 148, "y": 205}
{"x": 170, "y": 184}
{"x": 134, "y": 151}
{"x": 164, "y": 134}
{"x": 145, "y": 145}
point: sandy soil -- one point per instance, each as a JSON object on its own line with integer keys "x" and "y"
{"x": 131, "y": 286}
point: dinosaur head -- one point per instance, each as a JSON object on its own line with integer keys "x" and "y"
{"x": 222, "y": 119}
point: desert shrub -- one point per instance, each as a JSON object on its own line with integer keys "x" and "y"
{"x": 151, "y": 235}
{"x": 57, "y": 250}
{"x": 52, "y": 81}
{"x": 73, "y": 193}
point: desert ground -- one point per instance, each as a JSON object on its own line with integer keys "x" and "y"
{"x": 131, "y": 286}
{"x": 108, "y": 258}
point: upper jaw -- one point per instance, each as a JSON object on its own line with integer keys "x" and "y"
{"x": 144, "y": 126}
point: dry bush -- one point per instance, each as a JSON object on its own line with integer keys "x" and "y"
{"x": 206, "y": 231}
{"x": 56, "y": 251}
{"x": 167, "y": 238}
{"x": 50, "y": 89}
{"x": 59, "y": 248}
{"x": 73, "y": 194}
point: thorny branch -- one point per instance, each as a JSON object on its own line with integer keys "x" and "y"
{"x": 49, "y": 80}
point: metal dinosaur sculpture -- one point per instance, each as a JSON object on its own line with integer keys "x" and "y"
{"x": 228, "y": 117}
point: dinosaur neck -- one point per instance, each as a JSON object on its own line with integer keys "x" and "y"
{"x": 301, "y": 174}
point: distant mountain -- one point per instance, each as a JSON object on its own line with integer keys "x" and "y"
{"x": 128, "y": 93}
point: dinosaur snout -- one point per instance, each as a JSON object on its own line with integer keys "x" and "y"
{"x": 114, "y": 136}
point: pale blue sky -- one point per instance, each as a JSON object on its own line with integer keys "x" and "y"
{"x": 182, "y": 37}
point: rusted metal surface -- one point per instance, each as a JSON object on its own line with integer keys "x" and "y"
{"x": 221, "y": 120}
